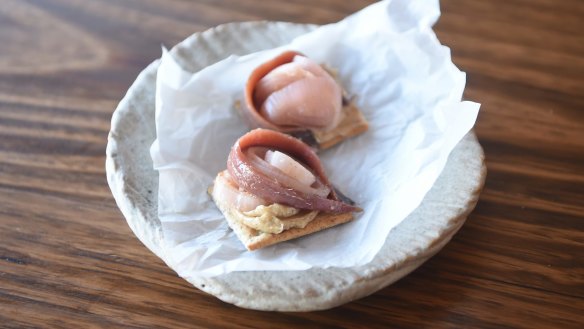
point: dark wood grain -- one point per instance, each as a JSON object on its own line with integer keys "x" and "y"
{"x": 68, "y": 259}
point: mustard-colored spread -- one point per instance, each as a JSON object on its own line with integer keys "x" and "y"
{"x": 274, "y": 218}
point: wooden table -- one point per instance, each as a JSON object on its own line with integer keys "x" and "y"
{"x": 68, "y": 258}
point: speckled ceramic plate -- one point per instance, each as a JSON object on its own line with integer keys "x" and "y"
{"x": 134, "y": 185}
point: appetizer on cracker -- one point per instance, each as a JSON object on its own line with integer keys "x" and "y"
{"x": 275, "y": 189}
{"x": 295, "y": 95}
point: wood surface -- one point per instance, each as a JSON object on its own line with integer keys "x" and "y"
{"x": 68, "y": 258}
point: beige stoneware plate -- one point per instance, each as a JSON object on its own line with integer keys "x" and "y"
{"x": 134, "y": 185}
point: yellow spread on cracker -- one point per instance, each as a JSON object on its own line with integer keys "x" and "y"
{"x": 274, "y": 218}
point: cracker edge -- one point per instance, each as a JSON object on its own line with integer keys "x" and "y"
{"x": 353, "y": 124}
{"x": 254, "y": 240}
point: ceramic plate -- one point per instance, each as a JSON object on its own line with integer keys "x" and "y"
{"x": 134, "y": 185}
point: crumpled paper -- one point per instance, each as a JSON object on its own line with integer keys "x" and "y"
{"x": 408, "y": 89}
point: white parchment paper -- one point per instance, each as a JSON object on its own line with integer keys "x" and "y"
{"x": 407, "y": 87}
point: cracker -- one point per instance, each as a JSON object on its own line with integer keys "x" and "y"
{"x": 352, "y": 124}
{"x": 253, "y": 239}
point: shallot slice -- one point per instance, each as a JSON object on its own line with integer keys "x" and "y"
{"x": 256, "y": 156}
{"x": 290, "y": 167}
{"x": 277, "y": 79}
{"x": 311, "y": 66}
{"x": 296, "y": 92}
{"x": 226, "y": 190}
{"x": 312, "y": 102}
